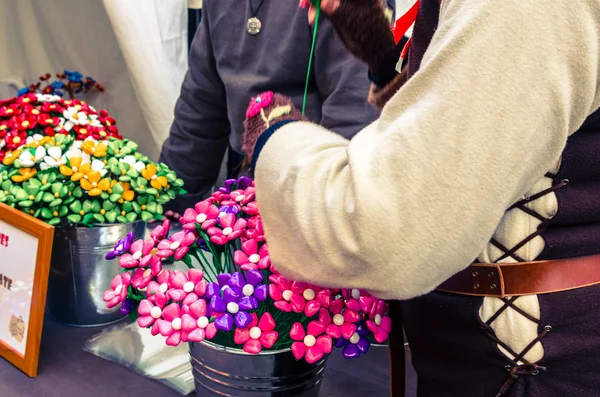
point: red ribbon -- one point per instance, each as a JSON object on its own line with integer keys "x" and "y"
{"x": 405, "y": 21}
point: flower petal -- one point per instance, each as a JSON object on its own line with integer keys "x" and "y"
{"x": 241, "y": 336}
{"x": 298, "y": 350}
{"x": 297, "y": 332}
{"x": 313, "y": 354}
{"x": 268, "y": 339}
{"x": 266, "y": 323}
{"x": 253, "y": 346}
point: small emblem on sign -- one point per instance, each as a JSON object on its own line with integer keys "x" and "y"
{"x": 16, "y": 327}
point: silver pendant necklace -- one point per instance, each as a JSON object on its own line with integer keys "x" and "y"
{"x": 254, "y": 25}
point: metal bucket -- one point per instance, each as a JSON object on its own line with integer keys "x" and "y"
{"x": 79, "y": 274}
{"x": 221, "y": 371}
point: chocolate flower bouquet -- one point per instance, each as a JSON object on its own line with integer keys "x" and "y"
{"x": 30, "y": 117}
{"x": 63, "y": 160}
{"x": 232, "y": 294}
{"x": 68, "y": 82}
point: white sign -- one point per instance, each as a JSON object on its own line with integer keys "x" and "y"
{"x": 18, "y": 256}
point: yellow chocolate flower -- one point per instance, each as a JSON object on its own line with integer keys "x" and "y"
{"x": 92, "y": 183}
{"x": 11, "y": 157}
{"x": 94, "y": 149}
{"x": 76, "y": 171}
{"x": 24, "y": 175}
{"x": 157, "y": 182}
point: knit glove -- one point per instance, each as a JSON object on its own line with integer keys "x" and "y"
{"x": 265, "y": 114}
{"x": 365, "y": 31}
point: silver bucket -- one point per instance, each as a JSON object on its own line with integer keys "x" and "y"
{"x": 79, "y": 274}
{"x": 221, "y": 371}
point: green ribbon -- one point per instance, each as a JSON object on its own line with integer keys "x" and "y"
{"x": 317, "y": 4}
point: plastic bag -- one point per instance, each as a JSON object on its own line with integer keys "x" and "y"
{"x": 135, "y": 348}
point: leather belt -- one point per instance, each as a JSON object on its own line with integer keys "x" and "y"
{"x": 524, "y": 278}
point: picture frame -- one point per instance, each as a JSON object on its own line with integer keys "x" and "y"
{"x": 24, "y": 276}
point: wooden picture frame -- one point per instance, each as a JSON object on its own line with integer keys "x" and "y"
{"x": 28, "y": 331}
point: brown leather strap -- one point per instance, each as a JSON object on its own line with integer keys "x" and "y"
{"x": 396, "y": 346}
{"x": 524, "y": 278}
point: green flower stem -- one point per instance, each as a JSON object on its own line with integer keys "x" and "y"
{"x": 212, "y": 251}
{"x": 206, "y": 267}
{"x": 134, "y": 295}
{"x": 188, "y": 262}
{"x": 208, "y": 264}
{"x": 228, "y": 259}
{"x": 199, "y": 251}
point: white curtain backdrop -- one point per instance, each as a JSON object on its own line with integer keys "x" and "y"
{"x": 137, "y": 49}
{"x": 152, "y": 36}
{"x": 39, "y": 36}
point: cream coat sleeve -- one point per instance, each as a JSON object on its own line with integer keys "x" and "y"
{"x": 415, "y": 196}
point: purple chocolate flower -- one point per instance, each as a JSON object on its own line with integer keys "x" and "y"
{"x": 121, "y": 247}
{"x": 202, "y": 244}
{"x": 126, "y": 307}
{"x": 229, "y": 209}
{"x": 357, "y": 344}
{"x": 230, "y": 185}
{"x": 244, "y": 182}
{"x": 234, "y": 296}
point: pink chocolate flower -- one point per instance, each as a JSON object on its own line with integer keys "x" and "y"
{"x": 204, "y": 213}
{"x": 311, "y": 345}
{"x": 161, "y": 232}
{"x": 339, "y": 327}
{"x": 149, "y": 312}
{"x": 251, "y": 208}
{"x": 181, "y": 285}
{"x": 297, "y": 297}
{"x": 161, "y": 284}
{"x": 232, "y": 229}
{"x": 204, "y": 328}
{"x": 132, "y": 260}
{"x": 381, "y": 327}
{"x": 255, "y": 229}
{"x": 141, "y": 278}
{"x": 243, "y": 197}
{"x": 258, "y": 334}
{"x": 177, "y": 246}
{"x": 379, "y": 324}
{"x": 142, "y": 255}
{"x": 250, "y": 257}
{"x": 118, "y": 292}
{"x": 171, "y": 324}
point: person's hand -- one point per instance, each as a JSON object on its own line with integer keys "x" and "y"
{"x": 328, "y": 7}
{"x": 364, "y": 29}
{"x": 172, "y": 216}
{"x": 264, "y": 111}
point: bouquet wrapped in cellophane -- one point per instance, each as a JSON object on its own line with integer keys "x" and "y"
{"x": 232, "y": 294}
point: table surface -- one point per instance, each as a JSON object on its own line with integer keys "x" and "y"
{"x": 65, "y": 370}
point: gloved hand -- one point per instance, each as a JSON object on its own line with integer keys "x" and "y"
{"x": 365, "y": 31}
{"x": 266, "y": 111}
{"x": 170, "y": 215}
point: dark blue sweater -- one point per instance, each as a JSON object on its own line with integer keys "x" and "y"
{"x": 227, "y": 66}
